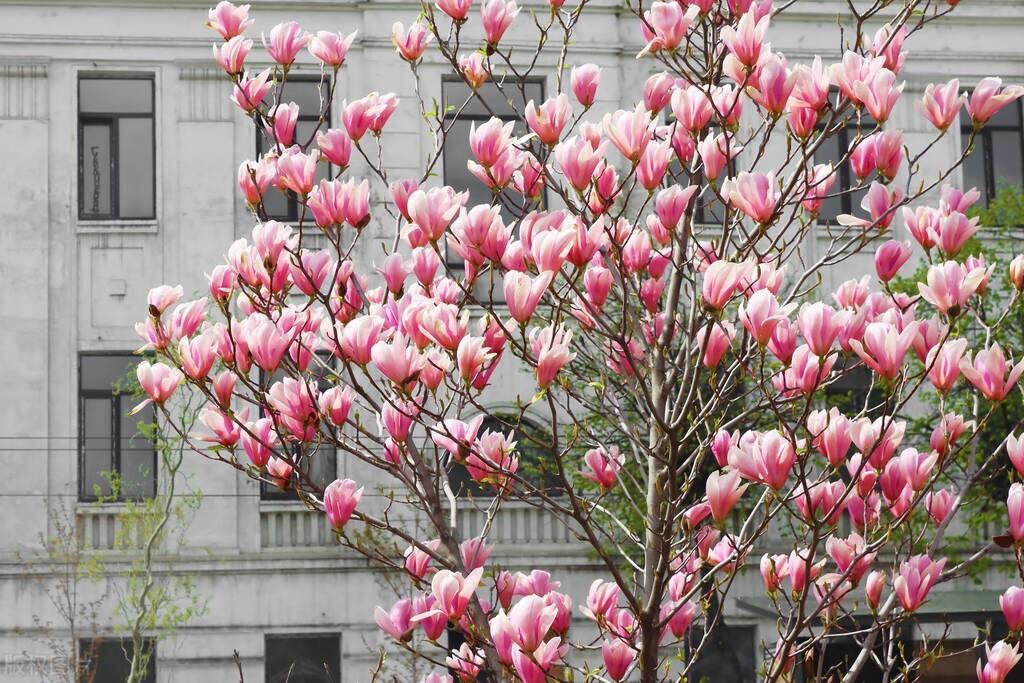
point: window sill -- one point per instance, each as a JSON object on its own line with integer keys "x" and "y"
{"x": 108, "y": 227}
{"x": 97, "y": 508}
{"x": 282, "y": 506}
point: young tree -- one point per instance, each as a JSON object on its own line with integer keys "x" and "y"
{"x": 657, "y": 290}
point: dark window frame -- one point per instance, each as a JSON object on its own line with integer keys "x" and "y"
{"x": 293, "y": 211}
{"x": 335, "y": 674}
{"x": 451, "y": 117}
{"x": 464, "y": 486}
{"x": 845, "y": 187}
{"x": 88, "y": 647}
{"x": 271, "y": 493}
{"x": 983, "y": 143}
{"x": 117, "y": 413}
{"x": 110, "y": 120}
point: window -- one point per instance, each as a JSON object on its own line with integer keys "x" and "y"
{"x": 116, "y": 147}
{"x": 853, "y": 390}
{"x": 307, "y": 658}
{"x": 110, "y": 441}
{"x": 309, "y": 93}
{"x": 319, "y": 461}
{"x": 536, "y": 463}
{"x": 108, "y": 660}
{"x": 998, "y": 156}
{"x": 507, "y": 104}
{"x": 729, "y": 656}
{"x": 842, "y": 196}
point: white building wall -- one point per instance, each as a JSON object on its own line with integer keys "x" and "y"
{"x": 72, "y": 286}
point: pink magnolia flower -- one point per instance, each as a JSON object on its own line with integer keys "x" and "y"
{"x": 941, "y": 104}
{"x": 1002, "y": 657}
{"x": 890, "y": 257}
{"x": 603, "y": 466}
{"x": 531, "y": 619}
{"x": 251, "y": 90}
{"x": 286, "y": 40}
{"x": 229, "y": 20}
{"x": 296, "y": 171}
{"x": 396, "y": 622}
{"x": 721, "y": 280}
{"x": 988, "y": 372}
{"x": 225, "y": 430}
{"x": 458, "y": 10}
{"x": 159, "y": 299}
{"x": 879, "y": 94}
{"x": 340, "y": 500}
{"x": 434, "y": 209}
{"x": 873, "y": 588}
{"x": 411, "y": 43}
{"x": 465, "y": 662}
{"x": 761, "y": 314}
{"x": 850, "y": 555}
{"x": 258, "y": 439}
{"x": 602, "y": 599}
{"x": 617, "y": 655}
{"x": 884, "y": 347}
{"x": 231, "y": 55}
{"x": 158, "y": 380}
{"x": 831, "y": 434}
{"x": 331, "y": 48}
{"x": 1012, "y": 604}
{"x": 474, "y": 69}
{"x": 497, "y": 16}
{"x": 768, "y": 457}
{"x": 717, "y": 338}
{"x": 692, "y": 109}
{"x": 917, "y": 576}
{"x": 1016, "y": 272}
{"x": 397, "y": 360}
{"x": 724, "y": 490}
{"x": 629, "y": 131}
{"x": 774, "y": 569}
{"x": 668, "y": 25}
{"x": 534, "y": 669}
{"x": 578, "y": 158}
{"x": 715, "y": 152}
{"x": 549, "y": 119}
{"x": 746, "y": 39}
{"x": 657, "y": 92}
{"x": 1015, "y": 511}
{"x": 584, "y": 80}
{"x": 988, "y": 99}
{"x": 474, "y": 552}
{"x": 944, "y": 364}
{"x": 820, "y": 325}
{"x": 755, "y": 194}
{"x": 453, "y": 591}
{"x": 939, "y": 504}
{"x": 950, "y": 286}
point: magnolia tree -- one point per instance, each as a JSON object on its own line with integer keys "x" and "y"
{"x": 659, "y": 298}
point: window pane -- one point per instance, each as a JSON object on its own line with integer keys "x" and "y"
{"x": 97, "y": 447}
{"x": 728, "y": 656}
{"x": 303, "y": 659}
{"x": 974, "y": 168}
{"x": 1007, "y": 116}
{"x": 95, "y": 169}
{"x": 116, "y": 95}
{"x": 307, "y": 94}
{"x": 102, "y": 372}
{"x": 456, "y": 174}
{"x": 108, "y": 660}
{"x": 829, "y": 152}
{"x": 138, "y": 463}
{"x": 135, "y": 170}
{"x": 501, "y": 103}
{"x": 1006, "y": 159}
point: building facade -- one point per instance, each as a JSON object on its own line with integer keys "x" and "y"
{"x": 122, "y": 151}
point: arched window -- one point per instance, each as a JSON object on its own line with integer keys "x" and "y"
{"x": 536, "y": 459}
